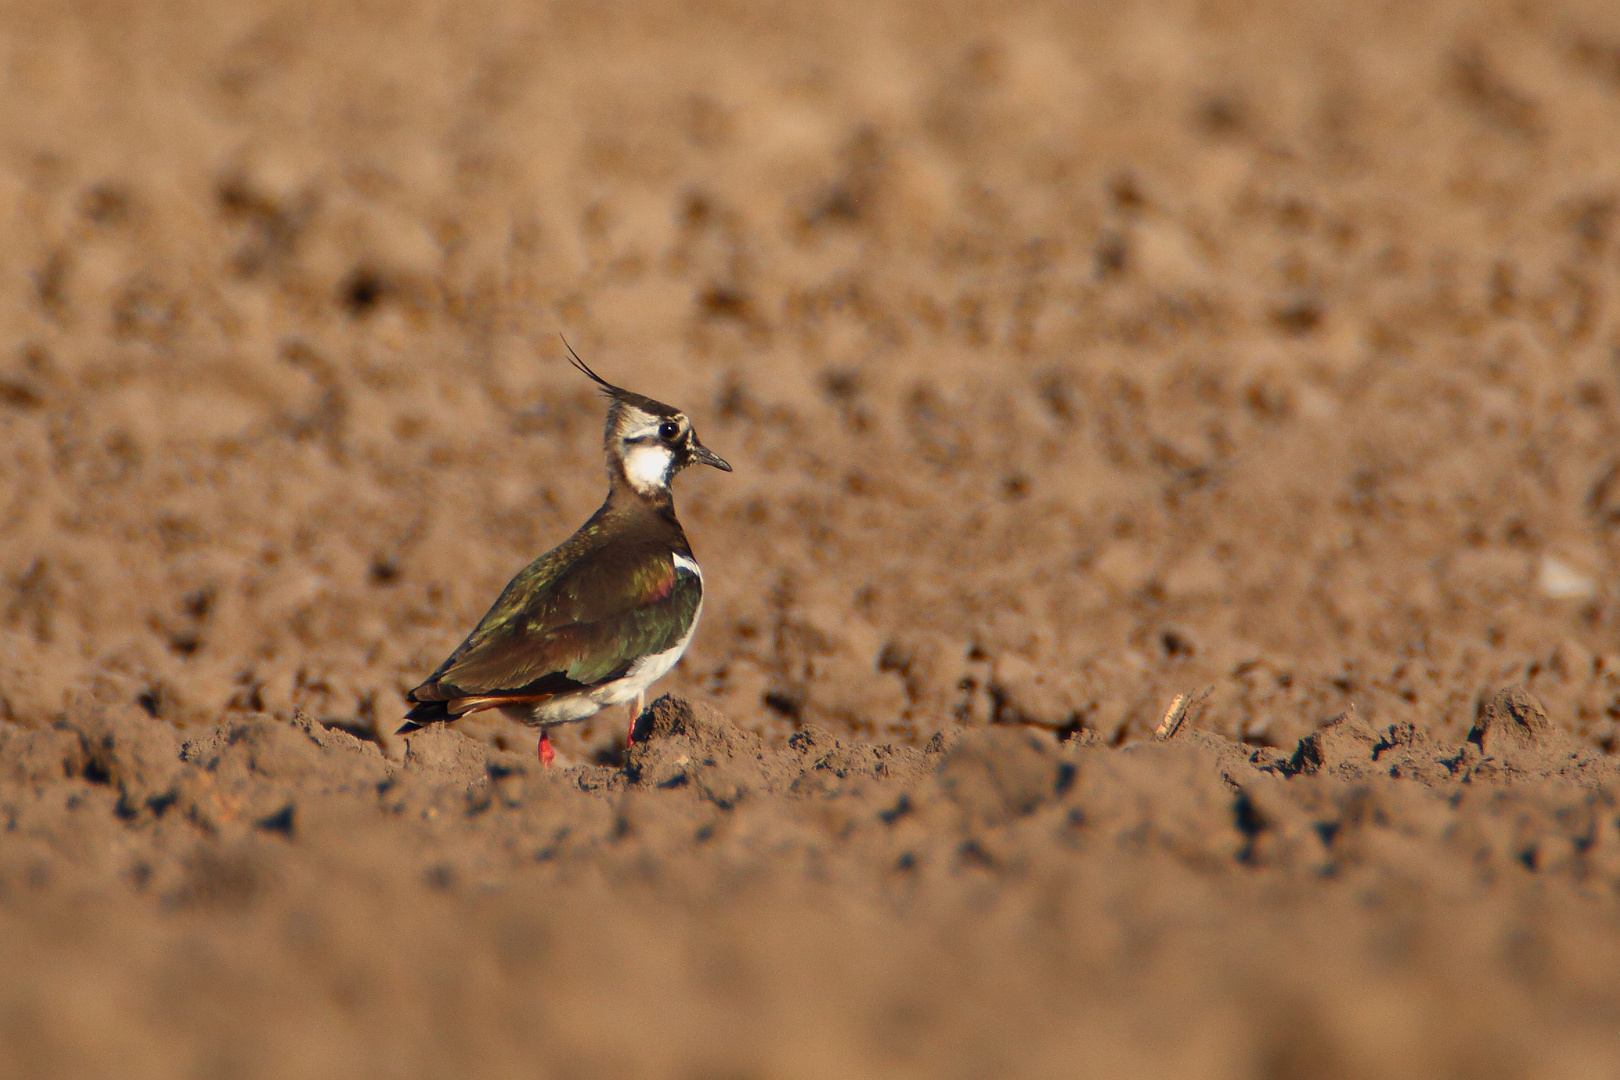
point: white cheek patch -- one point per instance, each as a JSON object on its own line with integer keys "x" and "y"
{"x": 647, "y": 467}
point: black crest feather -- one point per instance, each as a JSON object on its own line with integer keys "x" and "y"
{"x": 573, "y": 358}
{"x": 618, "y": 393}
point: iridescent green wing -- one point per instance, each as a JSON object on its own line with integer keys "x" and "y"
{"x": 569, "y": 621}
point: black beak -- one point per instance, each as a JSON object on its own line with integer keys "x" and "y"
{"x": 702, "y": 455}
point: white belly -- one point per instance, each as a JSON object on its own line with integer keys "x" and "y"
{"x": 566, "y": 708}
{"x": 646, "y": 671}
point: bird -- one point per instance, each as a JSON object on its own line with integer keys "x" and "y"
{"x": 602, "y": 616}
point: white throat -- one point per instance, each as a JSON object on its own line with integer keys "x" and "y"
{"x": 647, "y": 467}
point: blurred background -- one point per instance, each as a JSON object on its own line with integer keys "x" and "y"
{"x": 1068, "y": 353}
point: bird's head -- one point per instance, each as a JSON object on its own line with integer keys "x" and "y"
{"x": 646, "y": 441}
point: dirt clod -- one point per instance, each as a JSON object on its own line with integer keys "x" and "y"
{"x": 1513, "y": 720}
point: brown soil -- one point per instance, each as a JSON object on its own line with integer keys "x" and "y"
{"x": 1071, "y": 357}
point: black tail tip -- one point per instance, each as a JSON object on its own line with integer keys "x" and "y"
{"x": 424, "y": 713}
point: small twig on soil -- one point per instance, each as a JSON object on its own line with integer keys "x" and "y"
{"x": 1181, "y": 706}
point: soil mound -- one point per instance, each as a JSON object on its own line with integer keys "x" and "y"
{"x": 225, "y": 904}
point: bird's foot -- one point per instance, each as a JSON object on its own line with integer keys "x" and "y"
{"x": 635, "y": 714}
{"x": 546, "y": 752}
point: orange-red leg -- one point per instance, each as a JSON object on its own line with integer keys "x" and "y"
{"x": 546, "y": 752}
{"x": 635, "y": 714}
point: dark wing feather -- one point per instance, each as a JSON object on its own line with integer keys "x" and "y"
{"x": 567, "y": 623}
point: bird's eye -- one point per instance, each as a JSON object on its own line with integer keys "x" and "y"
{"x": 668, "y": 430}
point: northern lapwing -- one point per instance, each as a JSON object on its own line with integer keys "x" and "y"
{"x": 599, "y": 618}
